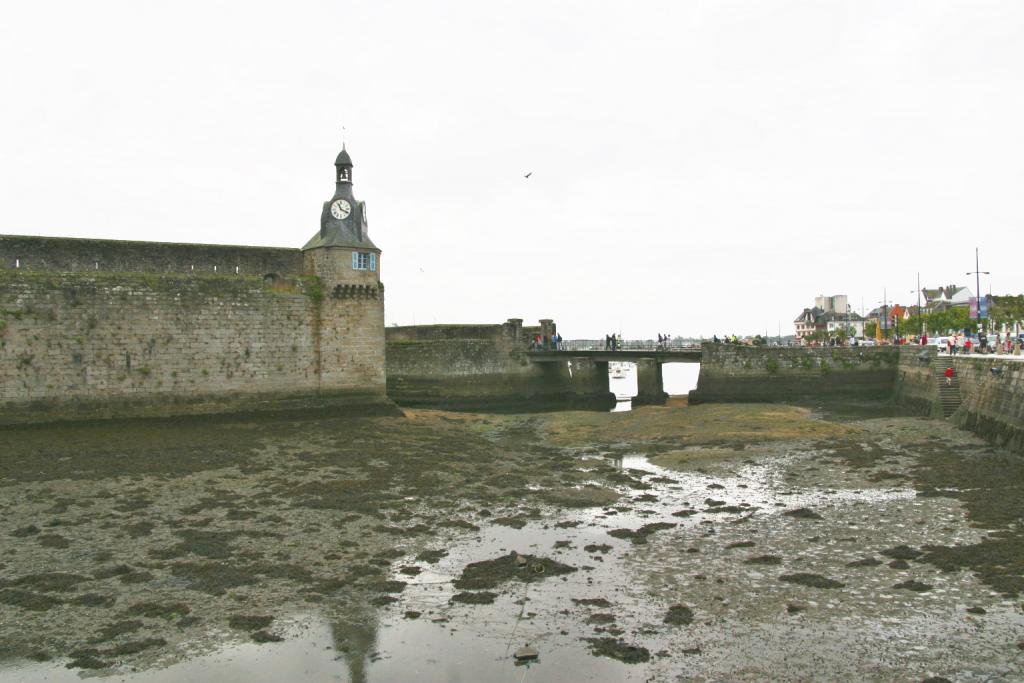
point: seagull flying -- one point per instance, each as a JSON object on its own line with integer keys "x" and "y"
{"x": 528, "y": 174}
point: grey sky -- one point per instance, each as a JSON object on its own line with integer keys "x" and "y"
{"x": 698, "y": 167}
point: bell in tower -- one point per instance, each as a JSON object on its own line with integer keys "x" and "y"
{"x": 343, "y": 166}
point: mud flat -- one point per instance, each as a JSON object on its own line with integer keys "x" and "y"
{"x": 714, "y": 542}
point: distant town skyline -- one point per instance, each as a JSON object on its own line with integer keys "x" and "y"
{"x": 689, "y": 168}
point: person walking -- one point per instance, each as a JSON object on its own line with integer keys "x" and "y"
{"x": 949, "y": 376}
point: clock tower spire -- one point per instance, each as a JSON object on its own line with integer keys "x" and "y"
{"x": 343, "y": 223}
{"x": 343, "y": 166}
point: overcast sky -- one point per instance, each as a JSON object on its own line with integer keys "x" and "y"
{"x": 697, "y": 167}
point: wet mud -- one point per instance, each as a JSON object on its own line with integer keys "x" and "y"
{"x": 669, "y": 543}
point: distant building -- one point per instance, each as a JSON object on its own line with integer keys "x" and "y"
{"x": 837, "y": 303}
{"x": 835, "y": 324}
{"x": 944, "y": 297}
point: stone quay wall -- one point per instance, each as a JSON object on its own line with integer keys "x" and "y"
{"x": 81, "y": 343}
{"x": 992, "y": 391}
{"x": 480, "y": 367}
{"x": 916, "y": 387}
{"x": 730, "y": 373}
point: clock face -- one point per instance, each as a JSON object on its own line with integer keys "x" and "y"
{"x": 340, "y": 209}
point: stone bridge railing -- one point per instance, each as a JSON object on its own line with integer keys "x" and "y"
{"x": 624, "y": 345}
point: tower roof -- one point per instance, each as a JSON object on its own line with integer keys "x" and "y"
{"x": 343, "y": 158}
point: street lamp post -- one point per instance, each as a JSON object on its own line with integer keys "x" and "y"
{"x": 885, "y": 312}
{"x": 922, "y": 333}
{"x": 977, "y": 273}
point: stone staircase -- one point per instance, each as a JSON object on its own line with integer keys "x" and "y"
{"x": 949, "y": 396}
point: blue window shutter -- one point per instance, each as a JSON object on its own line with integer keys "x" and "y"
{"x": 355, "y": 260}
{"x": 373, "y": 261}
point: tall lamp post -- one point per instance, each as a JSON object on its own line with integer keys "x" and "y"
{"x": 977, "y": 273}
{"x": 919, "y": 313}
{"x": 885, "y": 312}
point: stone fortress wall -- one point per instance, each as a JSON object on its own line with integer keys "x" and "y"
{"x": 482, "y": 367}
{"x": 104, "y": 328}
{"x": 72, "y": 255}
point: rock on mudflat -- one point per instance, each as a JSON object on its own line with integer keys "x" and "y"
{"x": 811, "y": 580}
{"x": 525, "y": 653}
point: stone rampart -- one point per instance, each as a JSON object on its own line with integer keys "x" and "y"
{"x": 78, "y": 345}
{"x": 68, "y": 255}
{"x": 731, "y": 373}
{"x": 480, "y": 367}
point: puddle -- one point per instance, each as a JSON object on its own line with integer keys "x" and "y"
{"x": 306, "y": 654}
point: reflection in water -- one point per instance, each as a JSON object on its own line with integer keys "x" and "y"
{"x": 357, "y": 643}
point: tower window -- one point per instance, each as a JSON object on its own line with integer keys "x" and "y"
{"x": 364, "y": 261}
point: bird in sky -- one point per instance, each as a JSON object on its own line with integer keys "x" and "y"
{"x": 528, "y": 174}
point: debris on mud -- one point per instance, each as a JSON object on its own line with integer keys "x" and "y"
{"x": 802, "y": 513}
{"x": 912, "y": 585}
{"x": 431, "y": 556}
{"x": 618, "y": 649}
{"x": 597, "y": 548}
{"x": 903, "y": 552}
{"x": 157, "y": 610}
{"x": 474, "y": 598}
{"x": 592, "y": 602}
{"x": 35, "y": 602}
{"x": 249, "y": 623}
{"x": 811, "y": 580}
{"x": 679, "y": 615}
{"x": 639, "y": 536}
{"x": 601, "y": 618}
{"x": 492, "y": 573}
{"x": 262, "y": 636}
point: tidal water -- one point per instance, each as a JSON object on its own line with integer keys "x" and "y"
{"x": 678, "y": 379}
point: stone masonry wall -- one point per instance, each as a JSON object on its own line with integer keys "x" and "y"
{"x": 100, "y": 344}
{"x": 478, "y": 367}
{"x": 745, "y": 374}
{"x": 993, "y": 402}
{"x": 916, "y": 387}
{"x": 67, "y": 255}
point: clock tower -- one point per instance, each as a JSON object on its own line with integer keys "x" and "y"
{"x": 343, "y": 251}
{"x": 349, "y": 307}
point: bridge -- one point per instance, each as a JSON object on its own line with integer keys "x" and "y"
{"x": 626, "y": 351}
{"x": 648, "y": 355}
